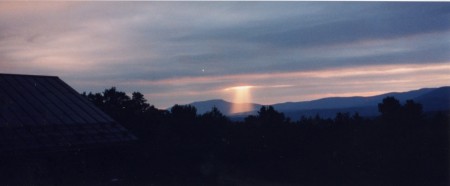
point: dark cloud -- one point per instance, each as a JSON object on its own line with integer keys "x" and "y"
{"x": 334, "y": 24}
{"x": 340, "y": 24}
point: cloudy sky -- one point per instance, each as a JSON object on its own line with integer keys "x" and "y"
{"x": 180, "y": 52}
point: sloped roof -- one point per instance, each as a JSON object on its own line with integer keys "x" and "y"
{"x": 41, "y": 112}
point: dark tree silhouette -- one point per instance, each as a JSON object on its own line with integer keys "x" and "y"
{"x": 390, "y": 108}
{"x": 115, "y": 98}
{"x": 184, "y": 112}
{"x": 139, "y": 103}
{"x": 392, "y": 111}
{"x": 134, "y": 113}
{"x": 96, "y": 98}
{"x": 267, "y": 115}
{"x": 412, "y": 110}
{"x": 214, "y": 116}
{"x": 342, "y": 118}
{"x": 403, "y": 146}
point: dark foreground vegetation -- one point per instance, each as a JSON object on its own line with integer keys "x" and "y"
{"x": 403, "y": 146}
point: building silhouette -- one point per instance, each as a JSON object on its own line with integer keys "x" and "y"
{"x": 42, "y": 113}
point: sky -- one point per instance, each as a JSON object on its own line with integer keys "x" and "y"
{"x": 181, "y": 52}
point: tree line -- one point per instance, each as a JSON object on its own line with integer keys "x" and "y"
{"x": 402, "y": 146}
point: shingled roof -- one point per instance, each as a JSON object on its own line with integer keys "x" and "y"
{"x": 43, "y": 112}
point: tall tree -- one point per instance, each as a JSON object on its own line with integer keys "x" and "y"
{"x": 390, "y": 108}
{"x": 138, "y": 103}
{"x": 269, "y": 116}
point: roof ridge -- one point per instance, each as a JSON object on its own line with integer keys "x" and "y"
{"x": 37, "y": 75}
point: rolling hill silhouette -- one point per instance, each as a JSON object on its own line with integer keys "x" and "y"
{"x": 432, "y": 99}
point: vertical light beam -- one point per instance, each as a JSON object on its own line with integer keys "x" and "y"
{"x": 242, "y": 99}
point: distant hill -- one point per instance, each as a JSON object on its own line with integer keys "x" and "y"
{"x": 348, "y": 102}
{"x": 432, "y": 99}
{"x": 435, "y": 100}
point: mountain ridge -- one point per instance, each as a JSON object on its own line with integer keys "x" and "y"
{"x": 432, "y": 99}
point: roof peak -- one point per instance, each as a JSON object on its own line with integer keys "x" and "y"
{"x": 28, "y": 75}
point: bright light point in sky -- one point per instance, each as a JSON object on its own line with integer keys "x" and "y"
{"x": 242, "y": 99}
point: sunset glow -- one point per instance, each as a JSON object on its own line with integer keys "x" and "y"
{"x": 182, "y": 52}
{"x": 243, "y": 98}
